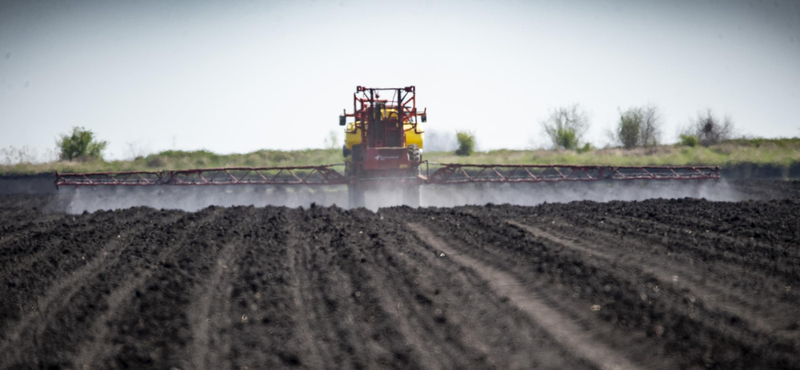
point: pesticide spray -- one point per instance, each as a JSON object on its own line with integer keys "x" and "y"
{"x": 80, "y": 199}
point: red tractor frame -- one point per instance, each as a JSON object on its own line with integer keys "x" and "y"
{"x": 383, "y": 156}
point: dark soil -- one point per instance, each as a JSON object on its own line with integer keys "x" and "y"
{"x": 655, "y": 284}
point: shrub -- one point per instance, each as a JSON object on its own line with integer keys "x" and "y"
{"x": 586, "y": 148}
{"x": 81, "y": 144}
{"x": 689, "y": 140}
{"x": 639, "y": 126}
{"x": 156, "y": 162}
{"x": 628, "y": 128}
{"x": 566, "y": 126}
{"x": 710, "y": 130}
{"x": 566, "y": 138}
{"x": 466, "y": 143}
{"x": 650, "y": 127}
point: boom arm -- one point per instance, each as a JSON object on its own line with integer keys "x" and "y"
{"x": 447, "y": 173}
{"x": 297, "y": 175}
{"x": 450, "y": 173}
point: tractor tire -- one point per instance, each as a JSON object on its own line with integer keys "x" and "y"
{"x": 414, "y": 154}
{"x": 415, "y": 157}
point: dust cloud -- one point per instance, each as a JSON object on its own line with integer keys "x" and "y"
{"x": 562, "y": 192}
{"x": 193, "y": 198}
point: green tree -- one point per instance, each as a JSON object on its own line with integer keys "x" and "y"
{"x": 628, "y": 127}
{"x": 689, "y": 140}
{"x": 566, "y": 126}
{"x": 638, "y": 126}
{"x": 466, "y": 143}
{"x": 81, "y": 144}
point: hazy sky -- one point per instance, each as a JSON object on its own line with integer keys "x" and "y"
{"x": 242, "y": 76}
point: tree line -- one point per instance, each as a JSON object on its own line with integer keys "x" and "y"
{"x": 565, "y": 126}
{"x": 636, "y": 127}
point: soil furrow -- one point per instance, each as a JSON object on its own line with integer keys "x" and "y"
{"x": 98, "y": 293}
{"x": 20, "y": 251}
{"x": 754, "y": 260}
{"x": 15, "y": 232}
{"x": 710, "y": 294}
{"x": 710, "y": 281}
{"x": 310, "y": 327}
{"x": 100, "y": 346}
{"x": 668, "y": 246}
{"x": 208, "y": 314}
{"x": 443, "y": 302}
{"x": 657, "y": 284}
{"x": 415, "y": 316}
{"x": 371, "y": 338}
{"x": 648, "y": 311}
{"x": 558, "y": 325}
{"x": 92, "y": 259}
{"x": 265, "y": 300}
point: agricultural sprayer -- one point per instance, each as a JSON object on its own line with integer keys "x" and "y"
{"x": 383, "y": 149}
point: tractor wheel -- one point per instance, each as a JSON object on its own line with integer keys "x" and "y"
{"x": 358, "y": 153}
{"x": 414, "y": 154}
{"x": 415, "y": 157}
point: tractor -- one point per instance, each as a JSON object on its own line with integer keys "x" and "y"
{"x": 383, "y": 144}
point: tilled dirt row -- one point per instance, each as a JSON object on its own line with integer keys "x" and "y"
{"x": 702, "y": 284}
{"x": 620, "y": 285}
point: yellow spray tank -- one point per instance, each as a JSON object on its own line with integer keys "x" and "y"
{"x": 352, "y": 134}
{"x": 412, "y": 137}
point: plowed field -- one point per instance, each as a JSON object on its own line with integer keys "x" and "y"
{"x": 657, "y": 284}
